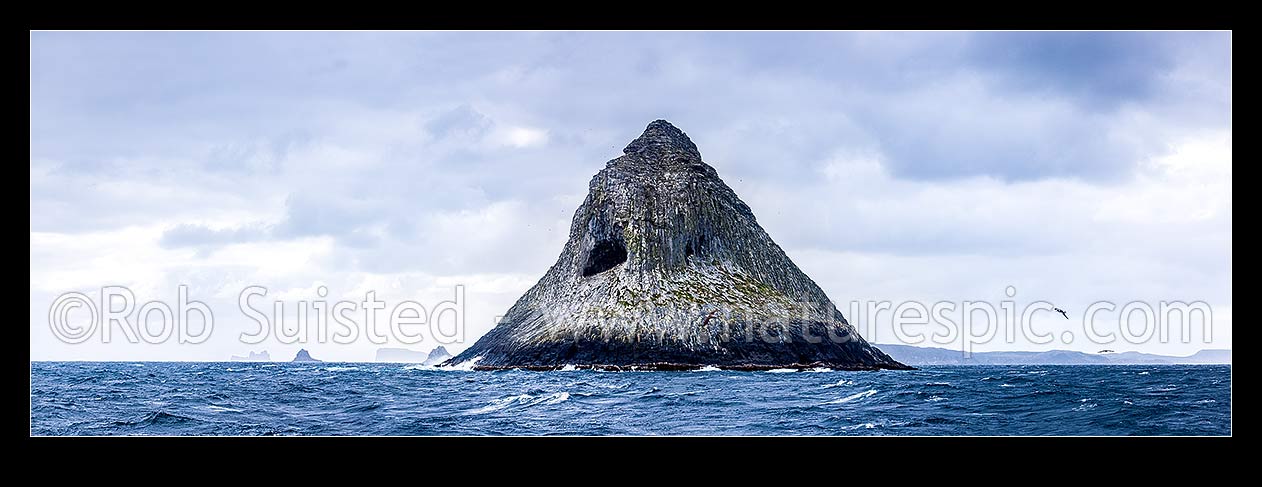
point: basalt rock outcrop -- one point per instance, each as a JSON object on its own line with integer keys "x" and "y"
{"x": 666, "y": 268}
{"x": 304, "y": 356}
{"x": 436, "y": 356}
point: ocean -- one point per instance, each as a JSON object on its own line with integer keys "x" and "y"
{"x": 240, "y": 398}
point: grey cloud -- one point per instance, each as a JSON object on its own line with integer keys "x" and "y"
{"x": 190, "y": 235}
{"x": 1102, "y": 69}
{"x": 462, "y": 120}
{"x": 384, "y": 145}
{"x": 238, "y": 119}
{"x": 570, "y": 82}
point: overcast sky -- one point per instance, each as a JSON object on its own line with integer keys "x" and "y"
{"x": 1075, "y": 167}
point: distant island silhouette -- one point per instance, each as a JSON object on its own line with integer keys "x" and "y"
{"x": 403, "y": 355}
{"x": 304, "y": 356}
{"x": 253, "y": 357}
{"x": 912, "y": 355}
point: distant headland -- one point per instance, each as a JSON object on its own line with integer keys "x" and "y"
{"x": 942, "y": 356}
{"x": 253, "y": 357}
{"x": 403, "y": 355}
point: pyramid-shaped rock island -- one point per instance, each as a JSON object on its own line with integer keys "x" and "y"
{"x": 667, "y": 269}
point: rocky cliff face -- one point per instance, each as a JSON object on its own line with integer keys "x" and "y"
{"x": 666, "y": 268}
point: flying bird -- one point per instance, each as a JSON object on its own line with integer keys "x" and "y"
{"x": 1062, "y": 312}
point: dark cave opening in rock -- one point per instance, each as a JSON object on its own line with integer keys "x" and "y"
{"x": 604, "y": 256}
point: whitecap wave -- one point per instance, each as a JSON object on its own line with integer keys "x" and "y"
{"x": 708, "y": 368}
{"x": 522, "y": 400}
{"x": 462, "y": 366}
{"x": 568, "y": 368}
{"x": 503, "y": 402}
{"x": 340, "y": 368}
{"x": 222, "y": 409}
{"x": 873, "y": 425}
{"x": 781, "y": 371}
{"x": 840, "y": 383}
{"x": 853, "y": 397}
{"x": 557, "y": 398}
{"x": 819, "y": 369}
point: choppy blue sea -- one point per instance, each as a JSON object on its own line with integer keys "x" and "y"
{"x": 231, "y": 398}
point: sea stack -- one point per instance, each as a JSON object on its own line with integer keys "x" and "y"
{"x": 437, "y": 356}
{"x": 667, "y": 269}
{"x": 304, "y": 356}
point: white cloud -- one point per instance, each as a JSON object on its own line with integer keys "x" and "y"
{"x": 889, "y": 165}
{"x": 521, "y": 136}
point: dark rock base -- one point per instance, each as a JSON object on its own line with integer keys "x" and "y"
{"x": 792, "y": 349}
{"x": 666, "y": 366}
